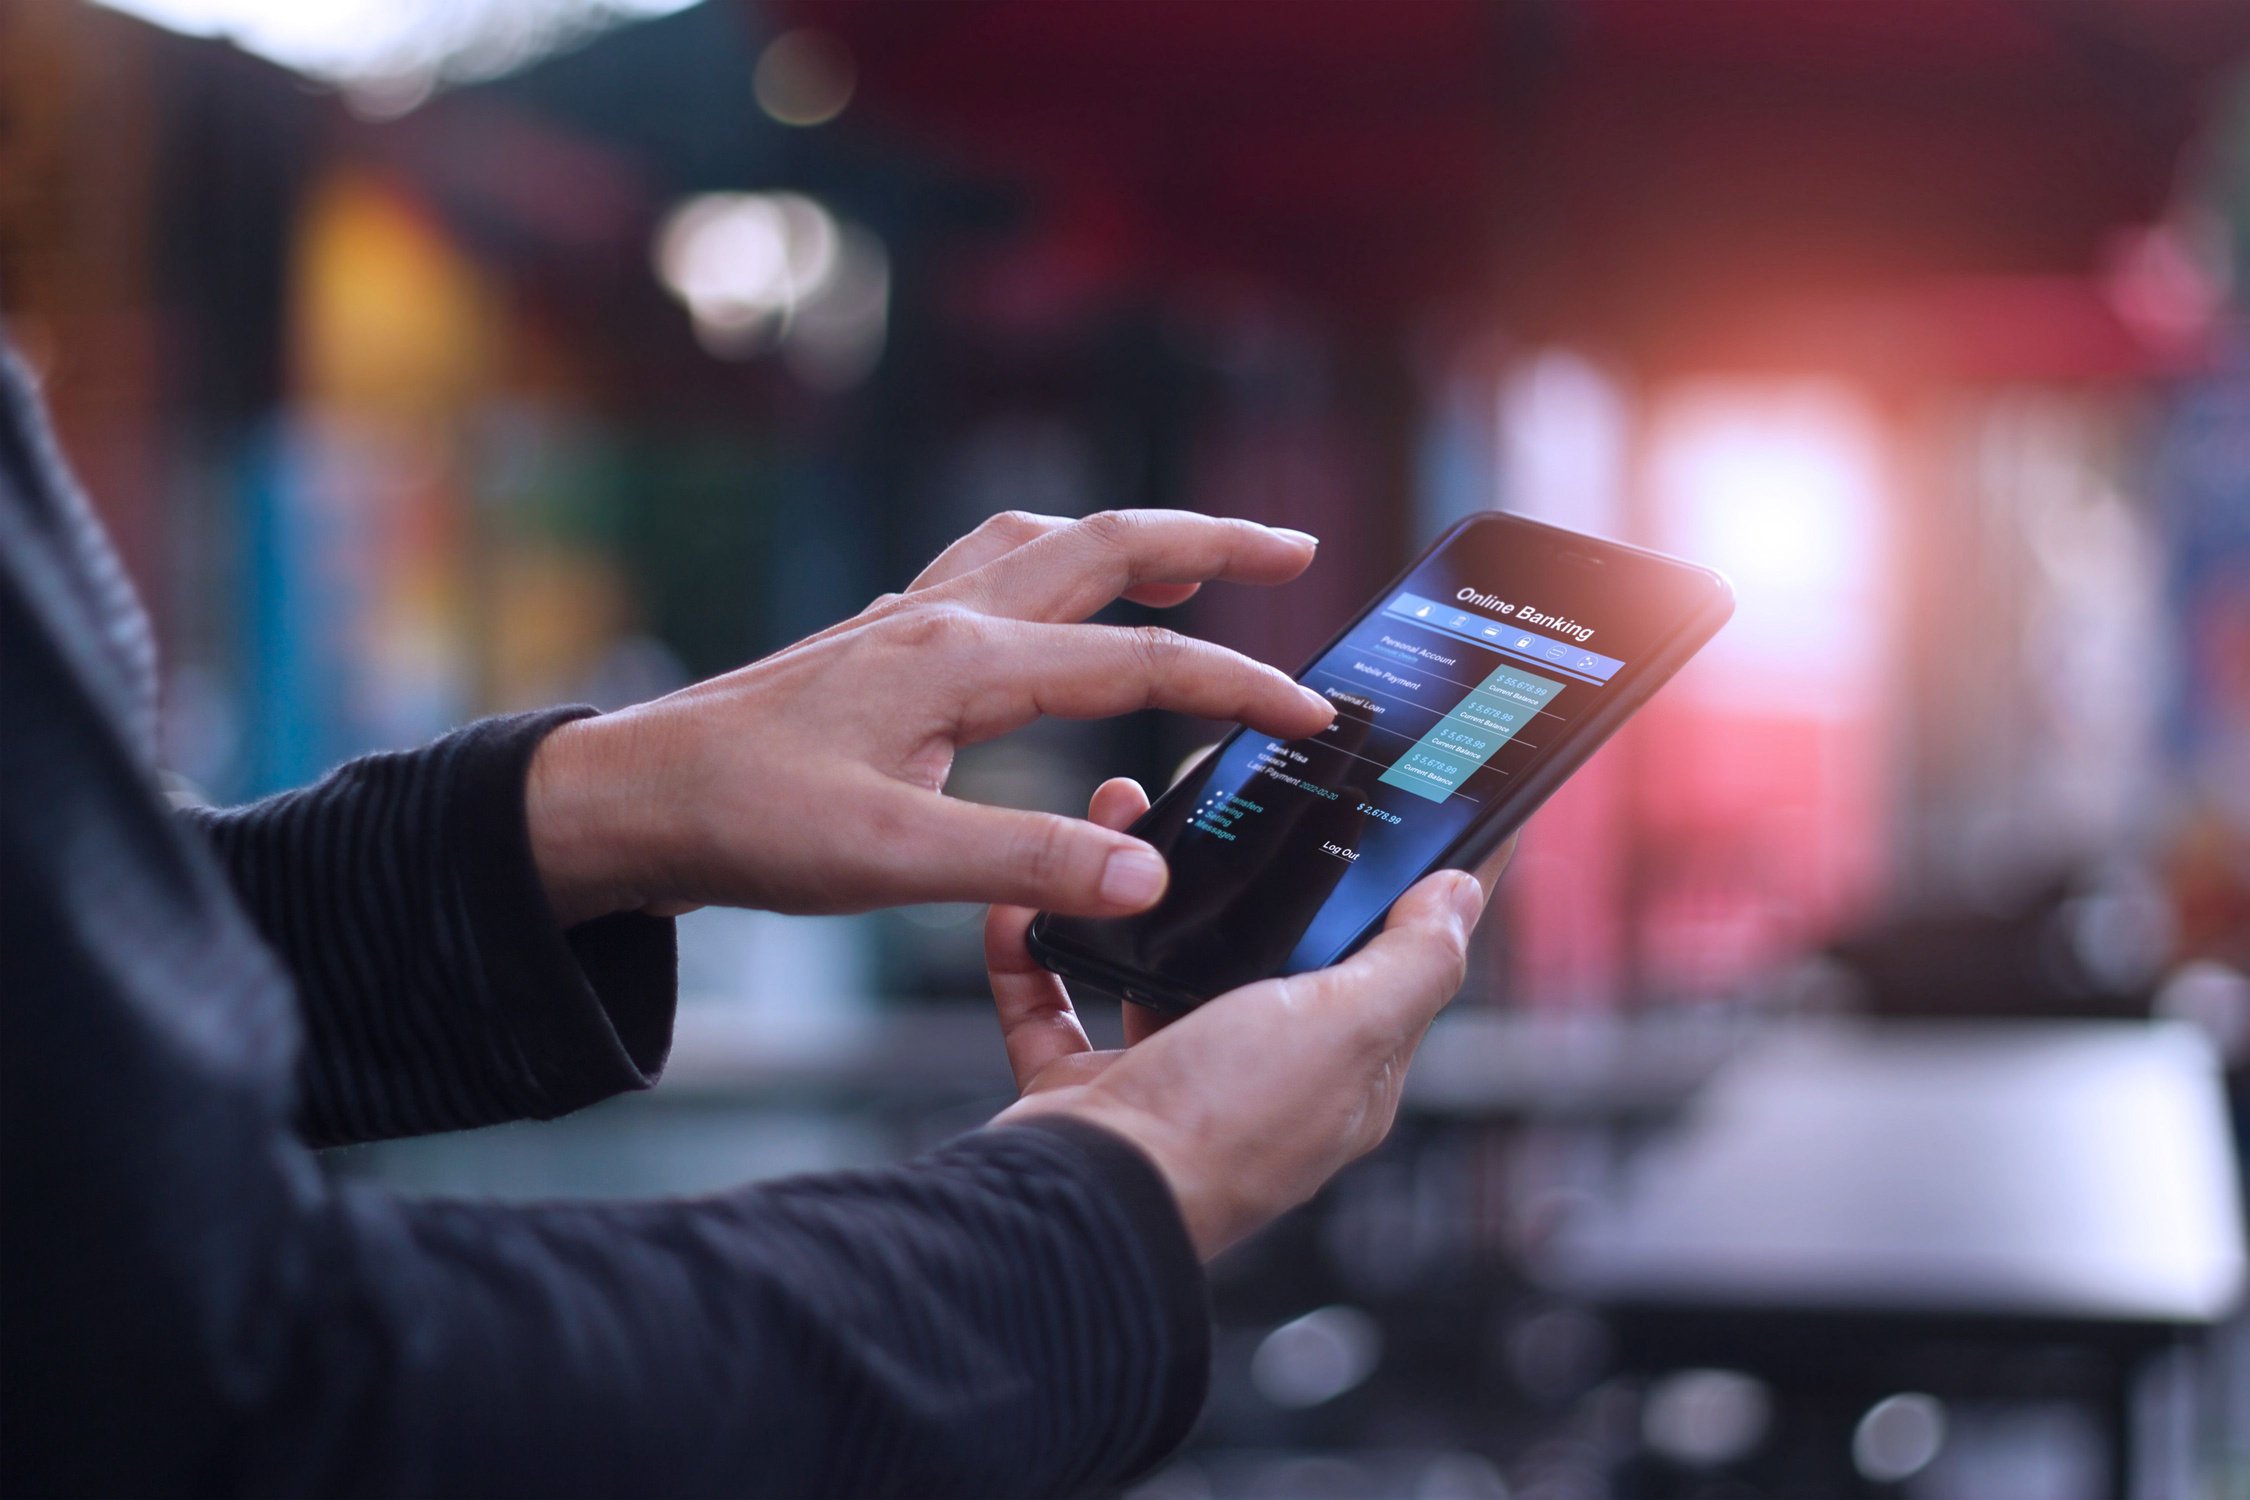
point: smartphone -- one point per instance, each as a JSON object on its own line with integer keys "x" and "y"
{"x": 1472, "y": 686}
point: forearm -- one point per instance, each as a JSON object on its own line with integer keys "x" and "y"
{"x": 1016, "y": 1314}
{"x": 437, "y": 987}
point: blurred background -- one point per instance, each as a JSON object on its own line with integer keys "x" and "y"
{"x": 1848, "y": 1098}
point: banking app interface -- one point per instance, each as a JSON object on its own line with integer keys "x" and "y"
{"x": 1283, "y": 851}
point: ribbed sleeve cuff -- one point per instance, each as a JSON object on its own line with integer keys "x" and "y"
{"x": 1154, "y": 1251}
{"x": 591, "y": 1008}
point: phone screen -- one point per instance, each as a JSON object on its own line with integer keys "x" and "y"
{"x": 1479, "y": 667}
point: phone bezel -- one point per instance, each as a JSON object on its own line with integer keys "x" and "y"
{"x": 1508, "y": 813}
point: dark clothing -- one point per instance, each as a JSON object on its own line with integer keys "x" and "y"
{"x": 436, "y": 991}
{"x": 193, "y": 1000}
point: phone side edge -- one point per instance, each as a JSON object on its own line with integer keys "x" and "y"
{"x": 1067, "y": 963}
{"x": 1477, "y": 842}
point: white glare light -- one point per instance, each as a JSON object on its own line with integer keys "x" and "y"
{"x": 738, "y": 259}
{"x": 382, "y": 42}
{"x": 1779, "y": 497}
{"x": 761, "y": 270}
{"x": 1779, "y": 488}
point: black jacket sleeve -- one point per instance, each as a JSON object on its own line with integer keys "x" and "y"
{"x": 438, "y": 990}
{"x": 1019, "y": 1313}
{"x": 192, "y": 1307}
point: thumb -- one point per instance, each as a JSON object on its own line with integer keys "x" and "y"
{"x": 965, "y": 851}
{"x": 1414, "y": 965}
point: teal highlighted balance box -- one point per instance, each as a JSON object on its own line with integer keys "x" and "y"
{"x": 1495, "y": 710}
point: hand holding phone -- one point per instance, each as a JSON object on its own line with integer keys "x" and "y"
{"x": 1465, "y": 693}
{"x": 1249, "y": 1105}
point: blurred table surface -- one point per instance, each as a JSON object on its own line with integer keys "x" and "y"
{"x": 2069, "y": 1172}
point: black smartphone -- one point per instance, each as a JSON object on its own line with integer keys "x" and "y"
{"x": 1476, "y": 682}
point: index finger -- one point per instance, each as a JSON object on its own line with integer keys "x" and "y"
{"x": 1002, "y": 534}
{"x": 1070, "y": 573}
{"x": 1096, "y": 671}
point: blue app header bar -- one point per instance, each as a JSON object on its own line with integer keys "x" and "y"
{"x": 1498, "y": 635}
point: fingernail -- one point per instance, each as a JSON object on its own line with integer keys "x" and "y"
{"x": 1319, "y": 700}
{"x": 1305, "y": 537}
{"x": 1133, "y": 877}
{"x": 1468, "y": 900}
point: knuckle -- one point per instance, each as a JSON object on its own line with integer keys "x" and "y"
{"x": 1156, "y": 650}
{"x": 1379, "y": 1020}
{"x": 1382, "y": 1110}
{"x": 1258, "y": 679}
{"x": 888, "y": 824}
{"x": 935, "y": 629}
{"x": 1376, "y": 1030}
{"x": 1015, "y": 527}
{"x": 1299, "y": 998}
{"x": 1002, "y": 941}
{"x": 1114, "y": 529}
{"x": 1442, "y": 983}
{"x": 1043, "y": 852}
{"x": 1452, "y": 941}
{"x": 1345, "y": 1008}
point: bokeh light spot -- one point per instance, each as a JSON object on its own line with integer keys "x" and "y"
{"x": 804, "y": 77}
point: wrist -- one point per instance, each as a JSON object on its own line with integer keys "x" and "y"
{"x": 581, "y": 837}
{"x": 1213, "y": 1214}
